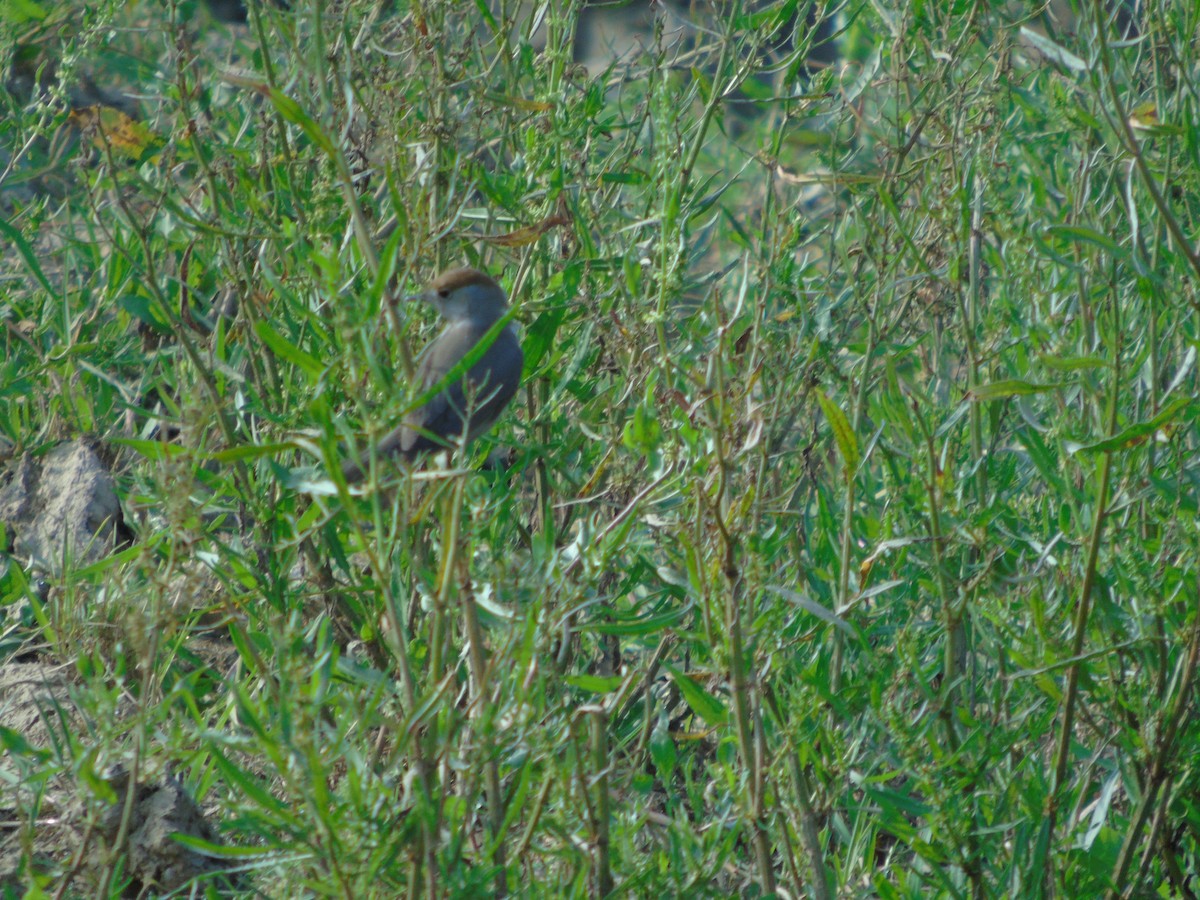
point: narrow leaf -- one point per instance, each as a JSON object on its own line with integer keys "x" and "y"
{"x": 288, "y": 108}
{"x": 285, "y": 349}
{"x": 249, "y": 451}
{"x": 1071, "y": 363}
{"x": 648, "y": 625}
{"x": 1088, "y": 236}
{"x": 702, "y": 703}
{"x": 1052, "y": 51}
{"x": 824, "y": 614}
{"x": 1136, "y": 434}
{"x": 1012, "y": 387}
{"x": 27, "y": 255}
{"x": 595, "y": 684}
{"x": 842, "y": 433}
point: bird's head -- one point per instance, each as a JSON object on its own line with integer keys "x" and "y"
{"x": 466, "y": 295}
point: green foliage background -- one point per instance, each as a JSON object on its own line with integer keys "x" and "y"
{"x": 847, "y": 543}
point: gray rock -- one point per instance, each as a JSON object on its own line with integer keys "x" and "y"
{"x": 62, "y": 506}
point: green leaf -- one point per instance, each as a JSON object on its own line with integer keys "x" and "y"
{"x": 485, "y": 13}
{"x": 146, "y": 311}
{"x": 802, "y": 138}
{"x": 1088, "y": 236}
{"x": 1071, "y": 363}
{"x": 285, "y": 349}
{"x": 594, "y": 684}
{"x": 1135, "y": 434}
{"x": 1052, "y": 51}
{"x": 13, "y": 742}
{"x": 821, "y": 612}
{"x": 222, "y": 851}
{"x": 633, "y": 177}
{"x": 27, "y": 255}
{"x": 702, "y": 703}
{"x": 643, "y": 433}
{"x": 1012, "y": 387}
{"x": 249, "y": 451}
{"x": 291, "y": 111}
{"x": 20, "y": 11}
{"x": 249, "y": 787}
{"x": 154, "y": 450}
{"x": 842, "y": 433}
{"x": 635, "y": 627}
{"x": 541, "y": 336}
{"x": 866, "y": 75}
{"x": 904, "y": 230}
{"x": 662, "y": 750}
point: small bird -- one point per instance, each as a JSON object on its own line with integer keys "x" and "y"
{"x": 471, "y": 303}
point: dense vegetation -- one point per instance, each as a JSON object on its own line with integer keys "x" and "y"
{"x": 844, "y": 542}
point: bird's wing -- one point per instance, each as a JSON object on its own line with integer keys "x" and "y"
{"x": 491, "y": 384}
{"x": 410, "y": 437}
{"x": 446, "y": 350}
{"x": 495, "y": 380}
{"x": 479, "y": 398}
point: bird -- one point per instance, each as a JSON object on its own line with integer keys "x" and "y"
{"x": 472, "y": 303}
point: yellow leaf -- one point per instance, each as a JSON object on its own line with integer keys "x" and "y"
{"x": 524, "y": 236}
{"x": 108, "y": 126}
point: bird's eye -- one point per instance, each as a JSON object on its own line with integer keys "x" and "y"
{"x": 443, "y": 293}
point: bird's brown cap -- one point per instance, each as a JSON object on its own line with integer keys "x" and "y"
{"x": 453, "y": 279}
